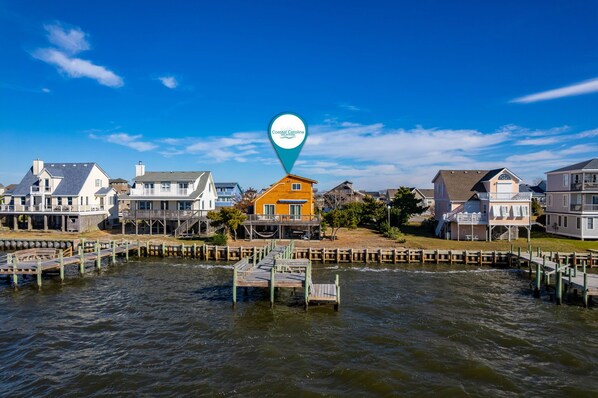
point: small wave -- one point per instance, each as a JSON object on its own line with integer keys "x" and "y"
{"x": 414, "y": 271}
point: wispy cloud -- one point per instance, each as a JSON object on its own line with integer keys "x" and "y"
{"x": 124, "y": 139}
{"x": 350, "y": 107}
{"x": 46, "y": 90}
{"x": 73, "y": 40}
{"x": 585, "y": 87}
{"x": 375, "y": 156}
{"x": 169, "y": 81}
{"x": 69, "y": 42}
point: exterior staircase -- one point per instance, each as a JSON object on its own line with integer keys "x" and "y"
{"x": 185, "y": 227}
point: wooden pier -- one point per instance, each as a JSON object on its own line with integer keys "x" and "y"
{"x": 273, "y": 267}
{"x": 563, "y": 270}
{"x": 38, "y": 261}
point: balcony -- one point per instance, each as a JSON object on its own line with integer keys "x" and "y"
{"x": 163, "y": 214}
{"x": 282, "y": 219}
{"x": 585, "y": 186}
{"x": 179, "y": 192}
{"x": 582, "y": 207}
{"x": 506, "y": 196}
{"x": 51, "y": 209}
{"x": 467, "y": 218}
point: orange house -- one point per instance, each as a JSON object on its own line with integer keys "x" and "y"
{"x": 284, "y": 210}
{"x": 292, "y": 196}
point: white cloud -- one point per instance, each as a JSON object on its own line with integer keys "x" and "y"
{"x": 585, "y": 87}
{"x": 69, "y": 43}
{"x": 124, "y": 139}
{"x": 350, "y": 107}
{"x": 538, "y": 141}
{"x": 169, "y": 81}
{"x": 73, "y": 40}
{"x": 46, "y": 90}
{"x": 77, "y": 67}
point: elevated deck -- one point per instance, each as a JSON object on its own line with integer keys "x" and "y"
{"x": 273, "y": 267}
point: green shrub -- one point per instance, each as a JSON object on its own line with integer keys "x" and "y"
{"x": 219, "y": 240}
{"x": 429, "y": 224}
{"x": 395, "y": 234}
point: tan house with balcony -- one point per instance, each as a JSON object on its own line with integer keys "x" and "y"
{"x": 72, "y": 197}
{"x": 169, "y": 202}
{"x": 480, "y": 205}
{"x": 572, "y": 200}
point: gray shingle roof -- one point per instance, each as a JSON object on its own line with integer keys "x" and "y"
{"x": 157, "y": 176}
{"x": 103, "y": 191}
{"x": 428, "y": 193}
{"x": 591, "y": 164}
{"x": 73, "y": 177}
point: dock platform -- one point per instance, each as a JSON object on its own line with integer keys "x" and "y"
{"x": 39, "y": 261}
{"x": 566, "y": 275}
{"x": 273, "y": 267}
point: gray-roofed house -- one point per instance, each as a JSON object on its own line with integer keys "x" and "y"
{"x": 426, "y": 199}
{"x": 480, "y": 205}
{"x": 73, "y": 197}
{"x": 572, "y": 200}
{"x": 340, "y": 195}
{"x": 169, "y": 202}
{"x": 228, "y": 193}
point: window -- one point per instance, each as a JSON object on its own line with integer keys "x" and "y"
{"x": 184, "y": 205}
{"x": 164, "y": 205}
{"x": 165, "y": 187}
{"x": 578, "y": 223}
{"x": 22, "y": 201}
{"x": 183, "y": 185}
{"x": 504, "y": 211}
{"x": 87, "y": 200}
{"x": 565, "y": 218}
{"x": 111, "y": 200}
{"x": 295, "y": 212}
{"x": 565, "y": 180}
{"x": 565, "y": 200}
{"x": 549, "y": 200}
{"x": 525, "y": 211}
{"x": 69, "y": 201}
{"x": 269, "y": 210}
{"x": 504, "y": 177}
{"x": 59, "y": 201}
{"x": 547, "y": 220}
{"x": 210, "y": 206}
{"x": 81, "y": 200}
{"x": 145, "y": 205}
{"x": 295, "y": 187}
{"x": 560, "y": 219}
{"x": 590, "y": 223}
{"x": 98, "y": 183}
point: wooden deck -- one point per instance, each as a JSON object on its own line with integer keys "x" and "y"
{"x": 273, "y": 267}
{"x": 38, "y": 261}
{"x": 566, "y": 276}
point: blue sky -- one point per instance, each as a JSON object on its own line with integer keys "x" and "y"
{"x": 391, "y": 91}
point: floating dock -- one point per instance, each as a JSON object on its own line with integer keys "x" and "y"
{"x": 38, "y": 261}
{"x": 273, "y": 267}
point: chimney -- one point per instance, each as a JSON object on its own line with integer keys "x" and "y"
{"x": 38, "y": 166}
{"x": 139, "y": 169}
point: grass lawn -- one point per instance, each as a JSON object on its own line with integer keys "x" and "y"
{"x": 416, "y": 236}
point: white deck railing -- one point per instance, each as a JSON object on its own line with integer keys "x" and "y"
{"x": 174, "y": 192}
{"x": 51, "y": 209}
{"x": 506, "y": 196}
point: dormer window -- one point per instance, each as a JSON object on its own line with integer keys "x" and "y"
{"x": 504, "y": 177}
{"x": 165, "y": 186}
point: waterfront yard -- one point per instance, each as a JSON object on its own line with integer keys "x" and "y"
{"x": 416, "y": 236}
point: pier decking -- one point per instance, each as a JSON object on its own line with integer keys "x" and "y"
{"x": 567, "y": 275}
{"x": 38, "y": 261}
{"x": 273, "y": 267}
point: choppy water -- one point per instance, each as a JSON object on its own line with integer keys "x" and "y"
{"x": 166, "y": 328}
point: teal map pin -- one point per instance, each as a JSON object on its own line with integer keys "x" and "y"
{"x": 287, "y": 133}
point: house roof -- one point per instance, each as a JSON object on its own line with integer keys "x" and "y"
{"x": 182, "y": 176}
{"x": 204, "y": 178}
{"x": 118, "y": 181}
{"x": 426, "y": 193}
{"x": 104, "y": 191}
{"x": 73, "y": 177}
{"x": 534, "y": 189}
{"x": 301, "y": 178}
{"x": 461, "y": 185}
{"x": 591, "y": 164}
{"x": 227, "y": 184}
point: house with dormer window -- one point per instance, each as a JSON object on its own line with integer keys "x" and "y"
{"x": 480, "y": 205}
{"x": 70, "y": 197}
{"x": 168, "y": 202}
